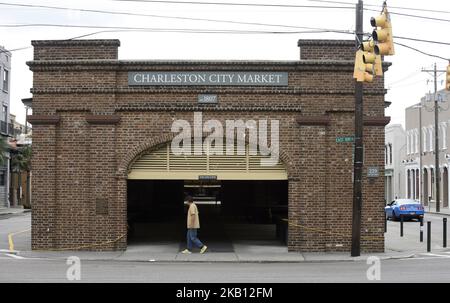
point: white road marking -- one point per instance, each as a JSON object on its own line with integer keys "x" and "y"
{"x": 437, "y": 255}
{"x": 15, "y": 256}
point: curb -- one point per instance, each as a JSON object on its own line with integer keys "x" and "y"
{"x": 358, "y": 259}
{"x": 435, "y": 213}
{"x": 15, "y": 213}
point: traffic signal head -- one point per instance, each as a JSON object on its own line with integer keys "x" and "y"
{"x": 447, "y": 78}
{"x": 368, "y": 46}
{"x": 362, "y": 72}
{"x": 382, "y": 35}
{"x": 379, "y": 21}
{"x": 372, "y": 61}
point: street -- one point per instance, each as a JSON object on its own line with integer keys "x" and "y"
{"x": 426, "y": 269}
{"x": 422, "y": 267}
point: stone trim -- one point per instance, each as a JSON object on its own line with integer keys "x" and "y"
{"x": 326, "y": 42}
{"x": 102, "y": 119}
{"x": 43, "y": 119}
{"x": 93, "y": 42}
{"x": 198, "y": 64}
{"x": 377, "y": 121}
{"x": 314, "y": 120}
{"x": 214, "y": 108}
{"x": 200, "y": 90}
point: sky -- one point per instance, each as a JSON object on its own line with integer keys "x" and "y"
{"x": 405, "y": 81}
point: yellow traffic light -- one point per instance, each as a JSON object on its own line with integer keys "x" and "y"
{"x": 447, "y": 78}
{"x": 372, "y": 61}
{"x": 382, "y": 35}
{"x": 362, "y": 71}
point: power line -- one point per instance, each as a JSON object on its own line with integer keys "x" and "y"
{"x": 192, "y": 32}
{"x": 422, "y": 52}
{"x": 158, "y": 16}
{"x": 238, "y": 4}
{"x": 390, "y": 86}
{"x": 14, "y": 49}
{"x": 204, "y": 30}
{"x": 394, "y": 7}
{"x": 184, "y": 30}
{"x": 411, "y": 75}
{"x": 412, "y": 16}
{"x": 421, "y": 40}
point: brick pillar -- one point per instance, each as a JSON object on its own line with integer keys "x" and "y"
{"x": 307, "y": 194}
{"x": 43, "y": 221}
{"x": 372, "y": 223}
{"x": 106, "y": 209}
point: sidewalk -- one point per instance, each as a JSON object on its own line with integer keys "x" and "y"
{"x": 162, "y": 254}
{"x": 431, "y": 209}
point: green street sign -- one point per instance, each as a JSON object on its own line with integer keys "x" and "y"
{"x": 345, "y": 139}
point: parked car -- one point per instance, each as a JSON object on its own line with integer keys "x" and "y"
{"x": 408, "y": 208}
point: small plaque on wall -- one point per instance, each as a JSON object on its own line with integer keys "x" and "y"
{"x": 207, "y": 99}
{"x": 101, "y": 206}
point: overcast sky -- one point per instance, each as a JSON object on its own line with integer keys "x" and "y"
{"x": 405, "y": 81}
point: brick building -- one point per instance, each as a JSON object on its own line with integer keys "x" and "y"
{"x": 101, "y": 142}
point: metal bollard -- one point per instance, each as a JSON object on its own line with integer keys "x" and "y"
{"x": 428, "y": 236}
{"x": 401, "y": 226}
{"x": 421, "y": 229}
{"x": 444, "y": 242}
{"x": 385, "y": 223}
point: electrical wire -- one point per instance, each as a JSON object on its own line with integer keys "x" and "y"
{"x": 155, "y": 16}
{"x": 394, "y": 7}
{"x": 194, "y": 30}
{"x": 411, "y": 75}
{"x": 238, "y": 4}
{"x": 410, "y": 15}
{"x": 390, "y": 86}
{"x": 422, "y": 52}
{"x": 206, "y": 30}
{"x": 350, "y": 5}
{"x": 14, "y": 49}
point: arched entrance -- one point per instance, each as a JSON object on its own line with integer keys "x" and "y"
{"x": 239, "y": 200}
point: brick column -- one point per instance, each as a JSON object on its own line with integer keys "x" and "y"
{"x": 43, "y": 222}
{"x": 307, "y": 194}
{"x": 106, "y": 209}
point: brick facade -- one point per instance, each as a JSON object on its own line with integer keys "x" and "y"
{"x": 89, "y": 125}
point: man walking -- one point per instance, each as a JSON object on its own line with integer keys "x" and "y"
{"x": 193, "y": 224}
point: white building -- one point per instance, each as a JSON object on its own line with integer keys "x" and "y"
{"x": 395, "y": 151}
{"x": 420, "y": 152}
{"x": 5, "y": 76}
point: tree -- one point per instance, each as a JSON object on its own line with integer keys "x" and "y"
{"x": 4, "y": 147}
{"x": 21, "y": 161}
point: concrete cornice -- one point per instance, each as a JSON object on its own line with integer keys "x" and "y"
{"x": 43, "y": 119}
{"x": 87, "y": 42}
{"x": 325, "y": 42}
{"x": 204, "y": 108}
{"x": 208, "y": 89}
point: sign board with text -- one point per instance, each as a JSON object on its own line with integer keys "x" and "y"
{"x": 208, "y": 78}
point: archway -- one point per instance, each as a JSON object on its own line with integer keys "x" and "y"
{"x": 239, "y": 200}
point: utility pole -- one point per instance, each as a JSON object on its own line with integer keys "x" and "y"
{"x": 358, "y": 158}
{"x": 436, "y": 138}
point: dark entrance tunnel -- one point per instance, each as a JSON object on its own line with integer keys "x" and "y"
{"x": 230, "y": 212}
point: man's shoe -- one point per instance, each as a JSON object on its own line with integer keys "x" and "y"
{"x": 186, "y": 251}
{"x": 204, "y": 248}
